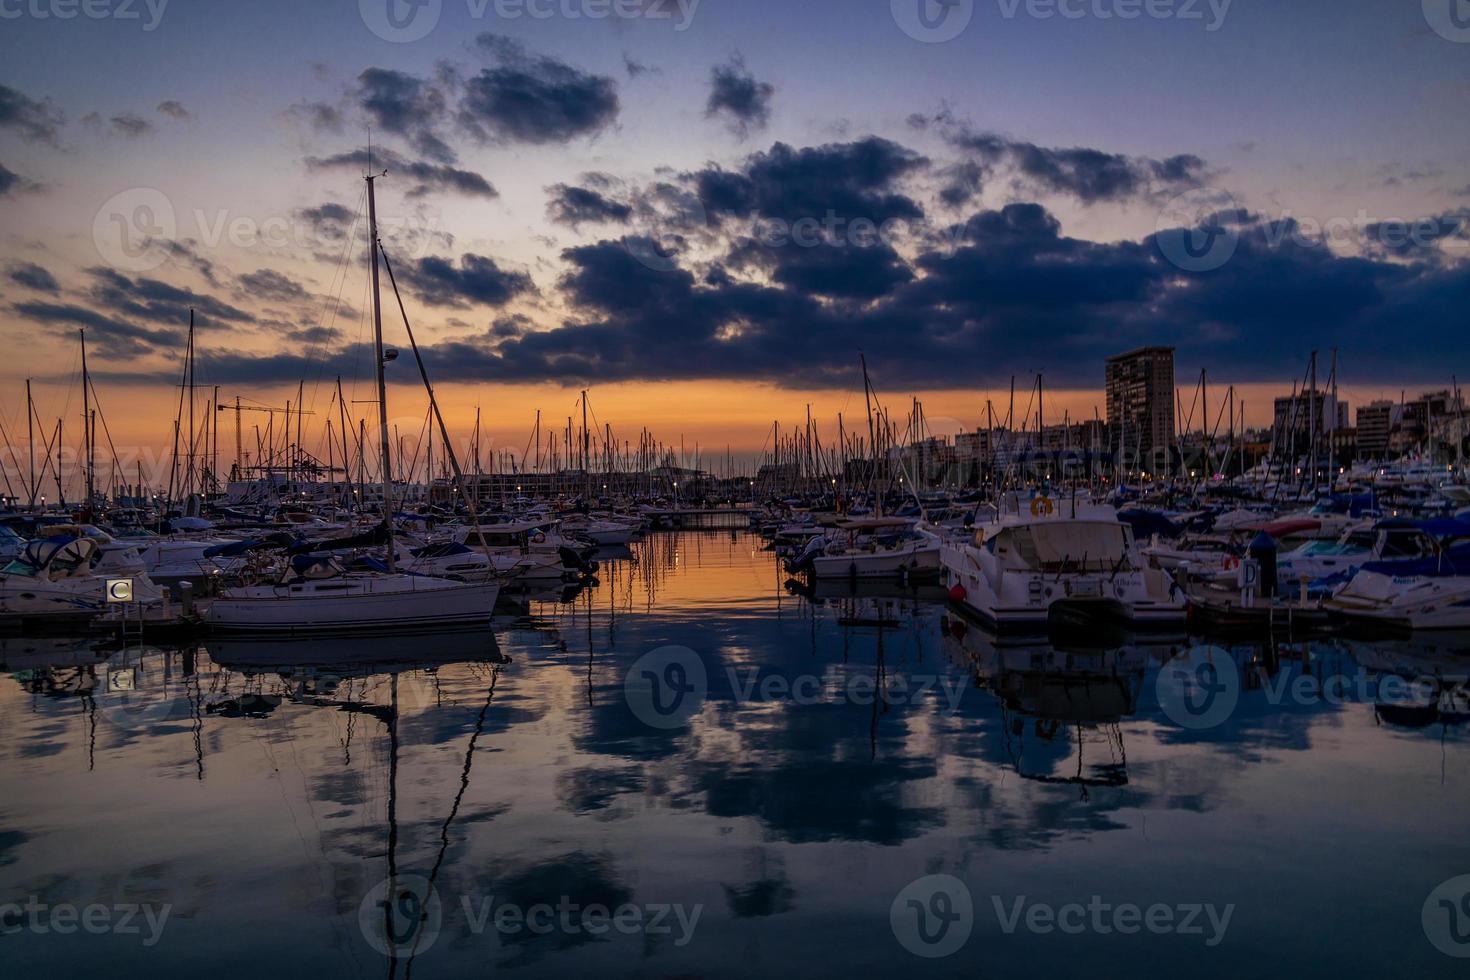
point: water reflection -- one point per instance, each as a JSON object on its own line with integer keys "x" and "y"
{"x": 844, "y": 742}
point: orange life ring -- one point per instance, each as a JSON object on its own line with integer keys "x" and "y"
{"x": 1042, "y": 505}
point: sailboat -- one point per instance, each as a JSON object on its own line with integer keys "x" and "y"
{"x": 315, "y": 593}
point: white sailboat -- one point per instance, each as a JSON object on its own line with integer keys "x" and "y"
{"x": 316, "y": 595}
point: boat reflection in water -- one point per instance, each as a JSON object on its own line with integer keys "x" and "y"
{"x": 314, "y": 797}
{"x": 1058, "y": 694}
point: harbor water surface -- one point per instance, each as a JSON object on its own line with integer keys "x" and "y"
{"x": 690, "y": 769}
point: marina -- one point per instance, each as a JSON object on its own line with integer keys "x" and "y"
{"x": 663, "y": 489}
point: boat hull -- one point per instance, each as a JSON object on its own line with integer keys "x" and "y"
{"x": 367, "y": 606}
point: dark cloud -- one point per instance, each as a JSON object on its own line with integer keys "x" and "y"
{"x": 845, "y": 270}
{"x": 174, "y": 109}
{"x": 1000, "y": 292}
{"x": 314, "y": 335}
{"x": 39, "y": 122}
{"x": 1418, "y": 240}
{"x": 963, "y": 183}
{"x": 33, "y": 276}
{"x": 321, "y": 116}
{"x": 330, "y": 223}
{"x": 739, "y": 98}
{"x": 10, "y": 181}
{"x": 528, "y": 98}
{"x": 131, "y": 125}
{"x": 155, "y": 301}
{"x": 636, "y": 69}
{"x": 475, "y": 281}
{"x": 849, "y": 180}
{"x": 268, "y": 284}
{"x": 406, "y": 106}
{"x": 1088, "y": 174}
{"x": 569, "y": 205}
{"x": 510, "y": 326}
{"x": 113, "y": 337}
{"x": 186, "y": 251}
{"x": 428, "y": 178}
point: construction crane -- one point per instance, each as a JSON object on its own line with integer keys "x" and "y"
{"x": 237, "y": 408}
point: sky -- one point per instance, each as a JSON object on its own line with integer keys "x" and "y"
{"x": 705, "y": 211}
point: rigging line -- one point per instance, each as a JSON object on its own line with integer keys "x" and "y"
{"x": 331, "y": 301}
{"x": 464, "y": 785}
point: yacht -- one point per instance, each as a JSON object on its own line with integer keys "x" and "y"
{"x": 1045, "y": 560}
{"x": 870, "y": 547}
{"x": 56, "y": 579}
{"x": 1428, "y": 593}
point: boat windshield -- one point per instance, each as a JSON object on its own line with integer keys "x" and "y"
{"x": 19, "y": 567}
{"x": 1057, "y": 546}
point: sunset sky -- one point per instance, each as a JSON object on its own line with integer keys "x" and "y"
{"x": 704, "y": 211}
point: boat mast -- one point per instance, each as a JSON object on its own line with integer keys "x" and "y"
{"x": 87, "y": 419}
{"x": 31, "y": 445}
{"x": 382, "y": 385}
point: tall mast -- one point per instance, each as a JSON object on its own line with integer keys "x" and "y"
{"x": 87, "y": 419}
{"x": 382, "y": 384}
{"x": 31, "y": 444}
{"x": 189, "y": 470}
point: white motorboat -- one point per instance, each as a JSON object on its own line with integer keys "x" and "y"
{"x": 525, "y": 550}
{"x": 870, "y": 547}
{"x": 1431, "y": 593}
{"x": 1045, "y": 560}
{"x": 1386, "y": 542}
{"x": 57, "y": 579}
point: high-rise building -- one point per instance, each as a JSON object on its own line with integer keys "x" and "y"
{"x": 1140, "y": 392}
{"x": 1306, "y": 413}
{"x": 1375, "y": 422}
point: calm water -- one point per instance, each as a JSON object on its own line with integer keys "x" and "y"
{"x": 690, "y": 771}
